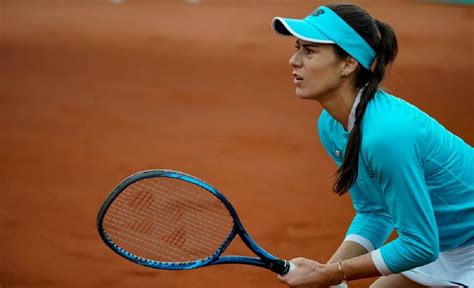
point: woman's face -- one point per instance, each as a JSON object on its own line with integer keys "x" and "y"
{"x": 316, "y": 70}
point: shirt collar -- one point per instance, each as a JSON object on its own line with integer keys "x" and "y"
{"x": 352, "y": 115}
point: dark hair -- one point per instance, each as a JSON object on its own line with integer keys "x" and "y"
{"x": 381, "y": 37}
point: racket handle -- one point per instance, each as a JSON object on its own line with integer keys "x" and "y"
{"x": 282, "y": 267}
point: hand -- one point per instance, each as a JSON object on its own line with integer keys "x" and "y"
{"x": 309, "y": 274}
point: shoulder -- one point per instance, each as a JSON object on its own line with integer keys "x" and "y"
{"x": 324, "y": 119}
{"x": 389, "y": 118}
{"x": 328, "y": 127}
{"x": 325, "y": 125}
{"x": 392, "y": 125}
{"x": 327, "y": 130}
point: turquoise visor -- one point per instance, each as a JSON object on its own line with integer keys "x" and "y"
{"x": 325, "y": 26}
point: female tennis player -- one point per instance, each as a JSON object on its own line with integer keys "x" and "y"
{"x": 402, "y": 168}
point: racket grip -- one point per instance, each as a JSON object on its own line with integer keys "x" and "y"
{"x": 282, "y": 267}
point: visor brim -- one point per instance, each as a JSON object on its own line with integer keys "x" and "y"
{"x": 300, "y": 29}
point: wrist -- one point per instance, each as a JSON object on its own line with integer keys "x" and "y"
{"x": 341, "y": 272}
{"x": 333, "y": 273}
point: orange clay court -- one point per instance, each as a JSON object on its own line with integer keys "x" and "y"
{"x": 92, "y": 91}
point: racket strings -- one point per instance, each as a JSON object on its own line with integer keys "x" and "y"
{"x": 174, "y": 238}
{"x": 148, "y": 245}
{"x": 176, "y": 232}
{"x": 168, "y": 220}
{"x": 121, "y": 213}
{"x": 138, "y": 219}
{"x": 140, "y": 244}
{"x": 213, "y": 214}
{"x": 198, "y": 196}
{"x": 121, "y": 209}
{"x": 212, "y": 219}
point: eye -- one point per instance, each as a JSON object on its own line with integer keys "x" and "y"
{"x": 308, "y": 51}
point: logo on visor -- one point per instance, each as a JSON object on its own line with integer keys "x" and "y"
{"x": 317, "y": 12}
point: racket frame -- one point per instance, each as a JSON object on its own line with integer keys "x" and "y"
{"x": 264, "y": 259}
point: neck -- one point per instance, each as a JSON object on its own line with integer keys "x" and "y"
{"x": 339, "y": 103}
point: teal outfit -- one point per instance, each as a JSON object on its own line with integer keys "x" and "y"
{"x": 414, "y": 176}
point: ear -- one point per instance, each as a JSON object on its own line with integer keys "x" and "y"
{"x": 349, "y": 66}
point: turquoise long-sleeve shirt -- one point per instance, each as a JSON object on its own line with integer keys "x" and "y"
{"x": 414, "y": 175}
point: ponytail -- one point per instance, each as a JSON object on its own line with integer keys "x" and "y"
{"x": 382, "y": 39}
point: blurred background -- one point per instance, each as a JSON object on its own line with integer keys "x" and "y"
{"x": 94, "y": 90}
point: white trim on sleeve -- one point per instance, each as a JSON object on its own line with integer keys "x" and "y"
{"x": 364, "y": 242}
{"x": 379, "y": 263}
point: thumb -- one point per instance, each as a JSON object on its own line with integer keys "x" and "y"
{"x": 283, "y": 278}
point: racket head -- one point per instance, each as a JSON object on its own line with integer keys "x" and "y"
{"x": 140, "y": 220}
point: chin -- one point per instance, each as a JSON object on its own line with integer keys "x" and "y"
{"x": 305, "y": 96}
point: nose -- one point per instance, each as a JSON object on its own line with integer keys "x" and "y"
{"x": 295, "y": 60}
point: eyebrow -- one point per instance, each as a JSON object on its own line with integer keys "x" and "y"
{"x": 306, "y": 45}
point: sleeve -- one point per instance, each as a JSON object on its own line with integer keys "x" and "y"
{"x": 371, "y": 225}
{"x": 398, "y": 166}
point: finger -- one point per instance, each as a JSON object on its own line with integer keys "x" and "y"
{"x": 298, "y": 260}
{"x": 282, "y": 279}
{"x": 291, "y": 267}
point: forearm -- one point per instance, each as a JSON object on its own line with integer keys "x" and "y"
{"x": 356, "y": 262}
{"x": 359, "y": 267}
{"x": 314, "y": 274}
{"x": 347, "y": 250}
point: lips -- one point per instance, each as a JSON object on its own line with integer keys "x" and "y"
{"x": 297, "y": 79}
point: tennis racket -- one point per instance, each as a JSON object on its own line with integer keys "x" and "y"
{"x": 169, "y": 220}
